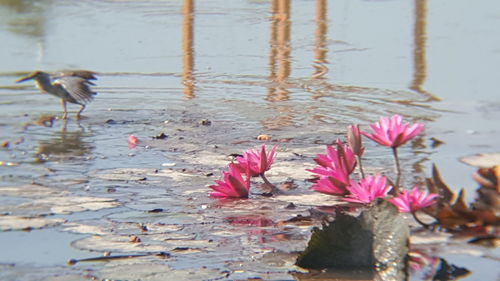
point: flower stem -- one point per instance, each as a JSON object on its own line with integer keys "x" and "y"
{"x": 398, "y": 170}
{"x": 360, "y": 166}
{"x": 274, "y": 189}
{"x": 427, "y": 226}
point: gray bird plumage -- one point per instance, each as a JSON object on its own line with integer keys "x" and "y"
{"x": 69, "y": 85}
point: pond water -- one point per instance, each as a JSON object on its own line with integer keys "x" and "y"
{"x": 299, "y": 71}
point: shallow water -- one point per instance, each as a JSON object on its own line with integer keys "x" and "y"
{"x": 301, "y": 72}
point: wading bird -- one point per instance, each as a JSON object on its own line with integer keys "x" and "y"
{"x": 70, "y": 86}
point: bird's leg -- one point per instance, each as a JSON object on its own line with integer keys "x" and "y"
{"x": 80, "y": 111}
{"x": 63, "y": 103}
{"x": 64, "y": 127}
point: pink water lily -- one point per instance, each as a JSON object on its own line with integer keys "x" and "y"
{"x": 329, "y": 185}
{"x": 391, "y": 132}
{"x": 354, "y": 140}
{"x": 413, "y": 200}
{"x": 257, "y": 161}
{"x": 233, "y": 185}
{"x": 341, "y": 157}
{"x": 367, "y": 189}
{"x": 132, "y": 141}
{"x": 333, "y": 169}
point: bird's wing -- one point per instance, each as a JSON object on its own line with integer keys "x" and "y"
{"x": 85, "y": 74}
{"x": 77, "y": 88}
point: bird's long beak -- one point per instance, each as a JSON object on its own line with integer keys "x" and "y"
{"x": 31, "y": 76}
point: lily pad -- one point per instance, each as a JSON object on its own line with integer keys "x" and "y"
{"x": 22, "y": 223}
{"x": 122, "y": 174}
{"x": 310, "y": 199}
{"x": 151, "y": 270}
{"x": 139, "y": 174}
{"x": 485, "y": 160}
{"x": 123, "y": 228}
{"x": 117, "y": 243}
{"x": 84, "y": 228}
{"x": 65, "y": 277}
{"x": 29, "y": 190}
{"x": 73, "y": 204}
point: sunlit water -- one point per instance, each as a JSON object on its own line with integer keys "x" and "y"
{"x": 303, "y": 70}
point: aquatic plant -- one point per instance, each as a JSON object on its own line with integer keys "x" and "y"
{"x": 334, "y": 168}
{"x": 257, "y": 161}
{"x": 341, "y": 157}
{"x": 355, "y": 142}
{"x": 329, "y": 185}
{"x": 367, "y": 189}
{"x": 413, "y": 200}
{"x": 392, "y": 132}
{"x": 233, "y": 185}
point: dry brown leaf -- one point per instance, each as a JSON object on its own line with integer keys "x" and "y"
{"x": 443, "y": 190}
{"x": 448, "y": 218}
{"x": 459, "y": 205}
{"x": 264, "y": 137}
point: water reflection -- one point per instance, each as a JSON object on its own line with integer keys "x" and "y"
{"x": 428, "y": 266}
{"x": 419, "y": 55}
{"x": 187, "y": 48}
{"x": 285, "y": 115}
{"x": 257, "y": 227}
{"x": 279, "y": 65}
{"x": 279, "y": 53}
{"x": 26, "y": 18}
{"x": 320, "y": 45}
{"x": 63, "y": 145}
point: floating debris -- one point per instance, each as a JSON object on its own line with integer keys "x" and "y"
{"x": 107, "y": 257}
{"x": 134, "y": 239}
{"x": 263, "y": 137}
{"x": 436, "y": 142}
{"x": 205, "y": 122}
{"x": 161, "y": 136}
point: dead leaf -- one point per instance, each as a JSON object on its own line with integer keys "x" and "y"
{"x": 436, "y": 142}
{"x": 134, "y": 239}
{"x": 488, "y": 177}
{"x": 486, "y": 240}
{"x": 449, "y": 219}
{"x": 205, "y": 122}
{"x": 487, "y": 199}
{"x": 263, "y": 137}
{"x": 437, "y": 185}
{"x": 298, "y": 220}
{"x": 160, "y": 136}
